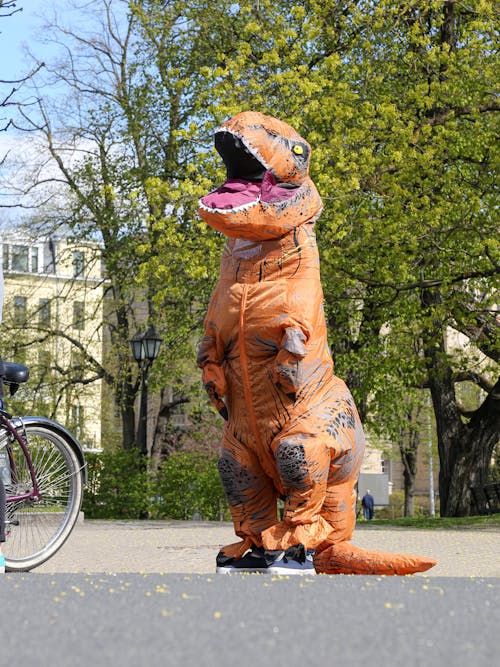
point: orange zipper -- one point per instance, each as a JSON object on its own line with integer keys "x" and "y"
{"x": 244, "y": 368}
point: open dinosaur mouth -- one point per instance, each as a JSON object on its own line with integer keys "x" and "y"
{"x": 239, "y": 160}
{"x": 248, "y": 182}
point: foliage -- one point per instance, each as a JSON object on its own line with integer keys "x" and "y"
{"x": 118, "y": 486}
{"x": 123, "y": 138}
{"x": 398, "y": 102}
{"x": 442, "y": 523}
{"x": 495, "y": 466}
{"x": 187, "y": 485}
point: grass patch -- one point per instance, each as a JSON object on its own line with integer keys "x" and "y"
{"x": 428, "y": 522}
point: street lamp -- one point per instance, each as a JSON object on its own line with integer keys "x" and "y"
{"x": 145, "y": 348}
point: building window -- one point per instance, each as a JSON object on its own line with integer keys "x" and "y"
{"x": 78, "y": 263}
{"x": 50, "y": 256}
{"x": 78, "y": 312}
{"x": 77, "y": 363}
{"x": 20, "y": 310}
{"x": 34, "y": 259}
{"x": 19, "y": 258}
{"x": 44, "y": 313}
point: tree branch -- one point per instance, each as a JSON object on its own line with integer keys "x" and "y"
{"x": 422, "y": 284}
{"x": 482, "y": 329}
{"x": 477, "y": 378}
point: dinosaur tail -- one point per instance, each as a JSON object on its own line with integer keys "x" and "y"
{"x": 345, "y": 558}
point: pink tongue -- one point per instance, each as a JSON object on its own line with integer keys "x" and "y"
{"x": 235, "y": 192}
{"x": 272, "y": 193}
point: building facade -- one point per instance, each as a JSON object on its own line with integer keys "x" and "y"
{"x": 52, "y": 322}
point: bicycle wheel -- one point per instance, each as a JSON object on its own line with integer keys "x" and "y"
{"x": 37, "y": 528}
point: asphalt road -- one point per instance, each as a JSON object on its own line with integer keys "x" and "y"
{"x": 249, "y": 620}
{"x": 91, "y": 604}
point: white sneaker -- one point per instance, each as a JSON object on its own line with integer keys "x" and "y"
{"x": 2, "y": 563}
{"x": 253, "y": 561}
{"x": 286, "y": 566}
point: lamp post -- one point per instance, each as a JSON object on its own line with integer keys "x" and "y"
{"x": 145, "y": 348}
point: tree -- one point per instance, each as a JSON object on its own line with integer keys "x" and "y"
{"x": 415, "y": 239}
{"x": 122, "y": 136}
{"x": 9, "y": 8}
{"x": 398, "y": 103}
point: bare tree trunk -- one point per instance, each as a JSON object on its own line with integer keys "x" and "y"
{"x": 465, "y": 448}
{"x": 164, "y": 441}
{"x": 409, "y": 448}
{"x": 473, "y": 448}
{"x": 128, "y": 426}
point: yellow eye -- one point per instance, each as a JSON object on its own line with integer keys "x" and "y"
{"x": 298, "y": 150}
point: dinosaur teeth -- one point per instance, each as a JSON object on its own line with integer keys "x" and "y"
{"x": 247, "y": 146}
{"x": 243, "y": 207}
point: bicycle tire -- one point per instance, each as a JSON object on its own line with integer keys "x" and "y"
{"x": 37, "y": 529}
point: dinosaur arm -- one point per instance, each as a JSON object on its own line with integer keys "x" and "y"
{"x": 302, "y": 331}
{"x": 210, "y": 359}
{"x": 288, "y": 365}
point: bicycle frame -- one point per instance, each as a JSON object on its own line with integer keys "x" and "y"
{"x": 44, "y": 471}
{"x": 34, "y": 494}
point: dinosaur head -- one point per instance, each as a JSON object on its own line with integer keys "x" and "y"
{"x": 268, "y": 191}
{"x": 251, "y": 144}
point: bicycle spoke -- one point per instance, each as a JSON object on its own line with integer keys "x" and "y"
{"x": 37, "y": 527}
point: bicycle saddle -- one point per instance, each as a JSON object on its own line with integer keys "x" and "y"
{"x": 15, "y": 373}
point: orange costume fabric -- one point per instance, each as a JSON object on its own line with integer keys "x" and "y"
{"x": 292, "y": 429}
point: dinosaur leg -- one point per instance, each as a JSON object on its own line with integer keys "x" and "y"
{"x": 302, "y": 462}
{"x": 319, "y": 478}
{"x": 339, "y": 508}
{"x": 251, "y": 496}
{"x": 320, "y": 512}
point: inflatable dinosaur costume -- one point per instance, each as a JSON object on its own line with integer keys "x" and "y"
{"x": 292, "y": 428}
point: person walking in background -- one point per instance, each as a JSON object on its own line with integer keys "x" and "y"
{"x": 368, "y": 504}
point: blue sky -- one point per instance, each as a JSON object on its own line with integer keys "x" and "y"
{"x": 23, "y": 29}
{"x": 17, "y": 31}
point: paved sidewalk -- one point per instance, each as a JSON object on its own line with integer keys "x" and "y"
{"x": 191, "y": 546}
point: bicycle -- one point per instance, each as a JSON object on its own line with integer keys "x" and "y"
{"x": 43, "y": 470}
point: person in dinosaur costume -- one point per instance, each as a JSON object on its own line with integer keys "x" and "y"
{"x": 292, "y": 430}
